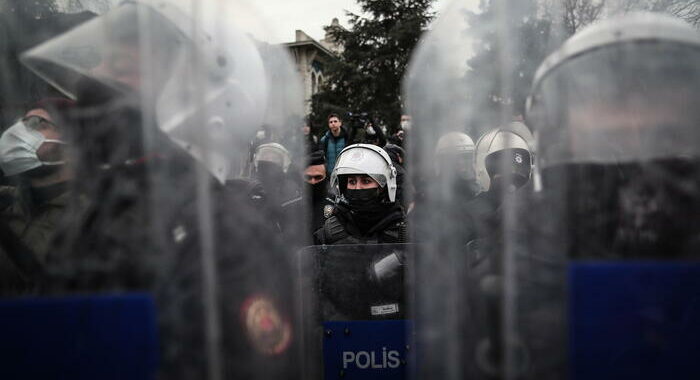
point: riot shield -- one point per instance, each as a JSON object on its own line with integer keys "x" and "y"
{"x": 619, "y": 176}
{"x": 24, "y": 26}
{"x": 543, "y": 275}
{"x": 354, "y": 311}
{"x": 155, "y": 227}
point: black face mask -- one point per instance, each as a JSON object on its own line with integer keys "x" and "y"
{"x": 517, "y": 169}
{"x": 108, "y": 124}
{"x": 453, "y": 175}
{"x": 271, "y": 176}
{"x": 464, "y": 189}
{"x": 319, "y": 190}
{"x": 367, "y": 207}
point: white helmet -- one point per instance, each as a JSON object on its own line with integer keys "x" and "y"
{"x": 366, "y": 159}
{"x": 514, "y": 136}
{"x": 583, "y": 95}
{"x": 202, "y": 77}
{"x": 274, "y": 153}
{"x": 454, "y": 142}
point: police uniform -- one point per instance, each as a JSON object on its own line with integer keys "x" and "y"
{"x": 157, "y": 134}
{"x": 340, "y": 228}
{"x": 375, "y": 217}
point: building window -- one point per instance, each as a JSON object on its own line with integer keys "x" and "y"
{"x": 314, "y": 84}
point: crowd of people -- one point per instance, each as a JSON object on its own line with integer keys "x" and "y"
{"x": 101, "y": 194}
{"x": 357, "y": 188}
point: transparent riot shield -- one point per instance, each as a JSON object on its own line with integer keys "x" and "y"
{"x": 157, "y": 246}
{"x": 560, "y": 266}
{"x": 354, "y": 311}
{"x": 23, "y": 26}
{"x": 619, "y": 172}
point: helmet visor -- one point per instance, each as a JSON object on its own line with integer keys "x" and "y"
{"x": 119, "y": 49}
{"x": 345, "y": 172}
{"x": 594, "y": 112}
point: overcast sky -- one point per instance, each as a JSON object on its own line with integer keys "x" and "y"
{"x": 284, "y": 17}
{"x": 309, "y": 15}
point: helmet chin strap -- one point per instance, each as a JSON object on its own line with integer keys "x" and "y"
{"x": 53, "y": 163}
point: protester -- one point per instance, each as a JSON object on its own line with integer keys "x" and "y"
{"x": 335, "y": 140}
{"x": 404, "y": 127}
{"x": 32, "y": 153}
{"x": 370, "y": 133}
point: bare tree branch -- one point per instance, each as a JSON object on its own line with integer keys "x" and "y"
{"x": 579, "y": 13}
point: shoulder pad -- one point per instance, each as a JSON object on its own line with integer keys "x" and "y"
{"x": 334, "y": 230}
{"x": 397, "y": 233}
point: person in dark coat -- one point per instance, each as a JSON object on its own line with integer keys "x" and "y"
{"x": 32, "y": 155}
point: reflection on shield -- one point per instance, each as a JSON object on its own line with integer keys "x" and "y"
{"x": 267, "y": 331}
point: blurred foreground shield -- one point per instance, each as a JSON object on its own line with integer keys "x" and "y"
{"x": 81, "y": 337}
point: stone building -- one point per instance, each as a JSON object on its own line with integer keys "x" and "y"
{"x": 311, "y": 58}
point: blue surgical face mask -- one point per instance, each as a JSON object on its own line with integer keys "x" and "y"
{"x": 18, "y": 149}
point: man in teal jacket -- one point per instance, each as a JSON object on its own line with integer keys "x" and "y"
{"x": 335, "y": 140}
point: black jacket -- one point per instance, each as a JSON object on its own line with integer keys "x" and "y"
{"x": 341, "y": 228}
{"x": 146, "y": 236}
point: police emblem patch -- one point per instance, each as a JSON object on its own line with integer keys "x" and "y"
{"x": 327, "y": 211}
{"x": 518, "y": 158}
{"x": 268, "y": 333}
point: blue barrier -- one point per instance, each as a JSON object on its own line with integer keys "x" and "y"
{"x": 79, "y": 337}
{"x": 638, "y": 320}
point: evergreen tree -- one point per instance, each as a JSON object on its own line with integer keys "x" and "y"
{"x": 510, "y": 43}
{"x": 377, "y": 48}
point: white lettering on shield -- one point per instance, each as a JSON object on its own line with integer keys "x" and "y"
{"x": 372, "y": 359}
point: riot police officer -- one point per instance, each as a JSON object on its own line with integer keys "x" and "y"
{"x": 514, "y": 141}
{"x": 168, "y": 95}
{"x": 503, "y": 164}
{"x": 619, "y": 158}
{"x": 452, "y": 173}
{"x": 615, "y": 177}
{"x": 454, "y": 164}
{"x": 271, "y": 167}
{"x": 367, "y": 211}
